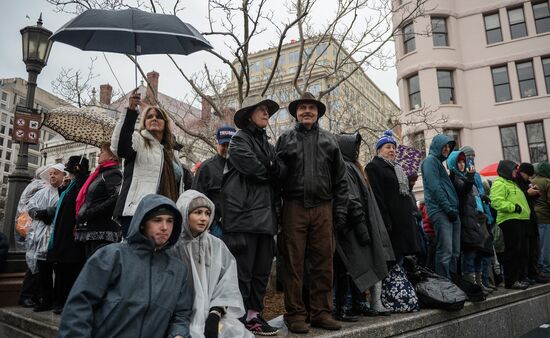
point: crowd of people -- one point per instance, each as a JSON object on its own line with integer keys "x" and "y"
{"x": 144, "y": 249}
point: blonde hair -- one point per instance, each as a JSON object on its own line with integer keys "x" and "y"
{"x": 167, "y": 139}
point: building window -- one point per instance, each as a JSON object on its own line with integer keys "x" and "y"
{"x": 439, "y": 31}
{"x": 35, "y": 147}
{"x": 408, "y": 38}
{"x": 4, "y": 191}
{"x": 510, "y": 144}
{"x": 546, "y": 68}
{"x": 501, "y": 84}
{"x": 268, "y": 63}
{"x": 418, "y": 141}
{"x": 526, "y": 77}
{"x": 454, "y": 134}
{"x": 293, "y": 57}
{"x": 7, "y": 167}
{"x": 535, "y": 140}
{"x": 5, "y": 179}
{"x": 58, "y": 160}
{"x": 413, "y": 85}
{"x": 33, "y": 159}
{"x": 541, "y": 12}
{"x": 492, "y": 28}
{"x": 8, "y": 156}
{"x": 2, "y": 129}
{"x": 446, "y": 87}
{"x": 4, "y": 96}
{"x": 9, "y": 142}
{"x": 518, "y": 28}
{"x": 93, "y": 158}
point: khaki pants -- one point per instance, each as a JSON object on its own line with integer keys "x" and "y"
{"x": 312, "y": 230}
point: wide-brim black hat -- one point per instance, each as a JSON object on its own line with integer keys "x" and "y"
{"x": 307, "y": 97}
{"x": 249, "y": 104}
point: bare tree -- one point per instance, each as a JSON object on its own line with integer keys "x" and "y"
{"x": 333, "y": 51}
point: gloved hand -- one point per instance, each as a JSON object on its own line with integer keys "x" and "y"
{"x": 517, "y": 210}
{"x": 486, "y": 199}
{"x": 211, "y": 325}
{"x": 452, "y": 216}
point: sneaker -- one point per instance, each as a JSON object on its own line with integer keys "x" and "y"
{"x": 518, "y": 286}
{"x": 260, "y": 327}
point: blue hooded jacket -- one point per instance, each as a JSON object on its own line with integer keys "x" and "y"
{"x": 132, "y": 289}
{"x": 439, "y": 192}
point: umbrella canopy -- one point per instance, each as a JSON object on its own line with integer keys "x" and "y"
{"x": 86, "y": 125}
{"x": 131, "y": 31}
{"x": 490, "y": 170}
{"x": 409, "y": 158}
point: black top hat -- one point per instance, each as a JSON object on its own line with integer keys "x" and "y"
{"x": 249, "y": 104}
{"x": 307, "y": 97}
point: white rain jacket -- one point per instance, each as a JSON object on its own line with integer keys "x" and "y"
{"x": 214, "y": 275}
{"x": 39, "y": 232}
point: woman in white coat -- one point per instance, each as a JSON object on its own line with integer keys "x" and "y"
{"x": 218, "y": 303}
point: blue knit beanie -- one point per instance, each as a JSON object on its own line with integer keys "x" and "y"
{"x": 387, "y": 137}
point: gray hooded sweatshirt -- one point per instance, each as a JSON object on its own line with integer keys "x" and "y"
{"x": 131, "y": 289}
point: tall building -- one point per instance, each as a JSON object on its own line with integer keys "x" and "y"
{"x": 485, "y": 68}
{"x": 357, "y": 104}
{"x": 13, "y": 92}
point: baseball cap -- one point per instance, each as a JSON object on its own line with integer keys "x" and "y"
{"x": 224, "y": 134}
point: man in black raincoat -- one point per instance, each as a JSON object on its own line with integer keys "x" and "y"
{"x": 315, "y": 194}
{"x": 208, "y": 178}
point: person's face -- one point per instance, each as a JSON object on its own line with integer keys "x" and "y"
{"x": 154, "y": 121}
{"x": 461, "y": 165}
{"x": 198, "y": 221}
{"x": 222, "y": 149}
{"x": 260, "y": 116}
{"x": 387, "y": 151}
{"x": 515, "y": 172}
{"x": 104, "y": 155}
{"x": 56, "y": 177}
{"x": 525, "y": 176}
{"x": 306, "y": 114}
{"x": 159, "y": 229}
{"x": 446, "y": 150}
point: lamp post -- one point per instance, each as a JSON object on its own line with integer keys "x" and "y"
{"x": 36, "y": 49}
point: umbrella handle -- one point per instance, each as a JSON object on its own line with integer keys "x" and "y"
{"x": 135, "y": 72}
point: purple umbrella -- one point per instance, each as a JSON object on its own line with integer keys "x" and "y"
{"x": 409, "y": 158}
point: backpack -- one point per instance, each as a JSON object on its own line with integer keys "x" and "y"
{"x": 398, "y": 293}
{"x": 434, "y": 291}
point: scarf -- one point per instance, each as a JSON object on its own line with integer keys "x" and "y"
{"x": 81, "y": 198}
{"x": 401, "y": 176}
{"x": 59, "y": 203}
{"x": 168, "y": 186}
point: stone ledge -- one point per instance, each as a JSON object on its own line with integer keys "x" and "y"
{"x": 428, "y": 320}
{"x": 506, "y": 313}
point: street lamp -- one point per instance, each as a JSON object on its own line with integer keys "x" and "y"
{"x": 36, "y": 49}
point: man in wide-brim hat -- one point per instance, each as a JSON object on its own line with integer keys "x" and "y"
{"x": 248, "y": 206}
{"x": 314, "y": 188}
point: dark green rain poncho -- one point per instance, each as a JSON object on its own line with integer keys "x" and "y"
{"x": 131, "y": 289}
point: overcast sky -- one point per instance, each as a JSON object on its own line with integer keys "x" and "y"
{"x": 17, "y": 14}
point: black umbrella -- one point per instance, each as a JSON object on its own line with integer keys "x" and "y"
{"x": 131, "y": 31}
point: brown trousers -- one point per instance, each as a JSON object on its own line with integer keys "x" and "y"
{"x": 308, "y": 230}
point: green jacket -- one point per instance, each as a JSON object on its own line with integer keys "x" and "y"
{"x": 542, "y": 204}
{"x": 505, "y": 194}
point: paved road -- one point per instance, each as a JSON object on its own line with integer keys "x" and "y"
{"x": 542, "y": 331}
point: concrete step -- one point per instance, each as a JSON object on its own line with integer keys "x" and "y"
{"x": 505, "y": 313}
{"x": 18, "y": 320}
